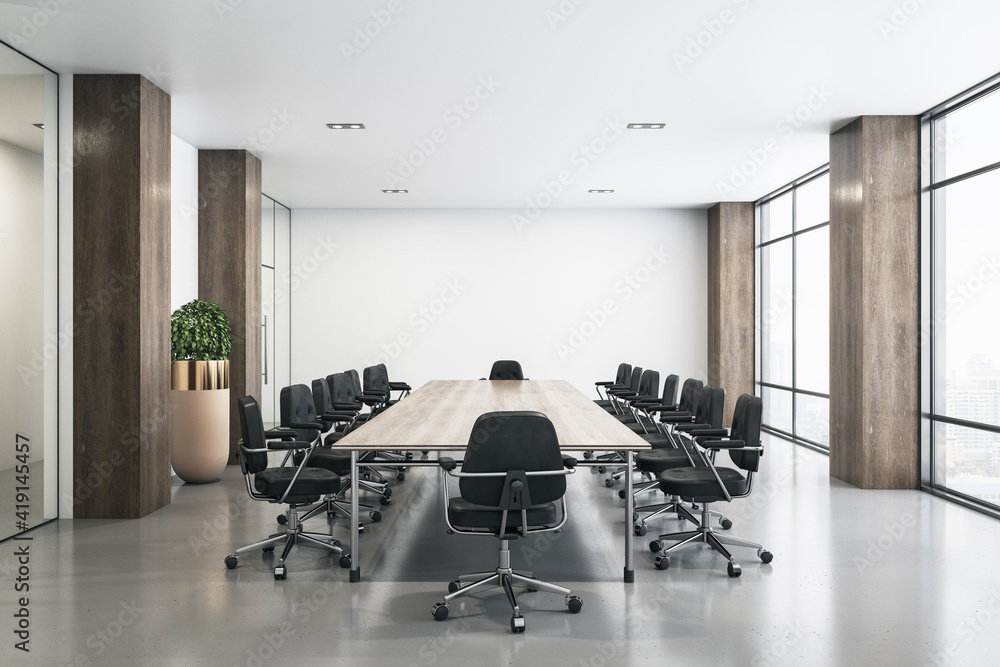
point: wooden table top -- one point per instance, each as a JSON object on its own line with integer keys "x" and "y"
{"x": 440, "y": 416}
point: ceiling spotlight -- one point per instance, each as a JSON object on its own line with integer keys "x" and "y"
{"x": 40, "y": 126}
{"x": 396, "y": 192}
{"x": 600, "y": 192}
{"x": 345, "y": 126}
{"x": 646, "y": 126}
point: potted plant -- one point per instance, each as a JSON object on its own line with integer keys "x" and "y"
{"x": 200, "y": 343}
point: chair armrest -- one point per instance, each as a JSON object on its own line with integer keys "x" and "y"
{"x": 730, "y": 445}
{"x": 447, "y": 463}
{"x": 338, "y": 416}
{"x": 676, "y": 417}
{"x": 399, "y": 386}
{"x": 306, "y": 426}
{"x": 694, "y": 426}
{"x": 569, "y": 462}
{"x": 280, "y": 432}
{"x": 287, "y": 444}
{"x": 663, "y": 408}
{"x": 604, "y": 383}
{"x": 347, "y": 407}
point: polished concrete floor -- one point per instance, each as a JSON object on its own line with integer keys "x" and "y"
{"x": 858, "y": 578}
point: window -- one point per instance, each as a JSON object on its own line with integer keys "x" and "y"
{"x": 793, "y": 312}
{"x": 961, "y": 297}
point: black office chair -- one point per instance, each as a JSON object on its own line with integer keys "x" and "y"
{"x": 670, "y": 414}
{"x": 710, "y": 483}
{"x": 620, "y": 381}
{"x": 506, "y": 369}
{"x": 292, "y": 486}
{"x": 615, "y": 392}
{"x": 645, "y": 411}
{"x": 649, "y": 385}
{"x": 510, "y": 481}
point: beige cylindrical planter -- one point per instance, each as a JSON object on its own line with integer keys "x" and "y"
{"x": 199, "y": 439}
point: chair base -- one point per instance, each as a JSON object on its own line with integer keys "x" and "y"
{"x": 705, "y": 533}
{"x": 506, "y": 578}
{"x": 294, "y": 534}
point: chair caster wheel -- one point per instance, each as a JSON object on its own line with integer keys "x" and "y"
{"x": 662, "y": 563}
{"x": 588, "y": 455}
{"x": 450, "y": 531}
{"x": 335, "y": 543}
{"x": 409, "y": 456}
{"x": 375, "y": 515}
{"x": 282, "y": 519}
{"x": 280, "y": 572}
{"x": 361, "y": 528}
{"x": 517, "y": 624}
{"x": 640, "y": 530}
{"x": 635, "y": 517}
{"x": 268, "y": 550}
{"x": 384, "y": 501}
{"x": 232, "y": 562}
{"x": 400, "y": 477}
{"x": 387, "y": 491}
{"x": 440, "y": 611}
{"x": 454, "y": 586}
{"x": 609, "y": 482}
{"x": 424, "y": 452}
{"x": 734, "y": 569}
{"x": 574, "y": 603}
{"x": 656, "y": 546}
{"x": 345, "y": 561}
{"x": 601, "y": 469}
{"x": 765, "y": 556}
{"x": 725, "y": 523}
{"x": 622, "y": 494}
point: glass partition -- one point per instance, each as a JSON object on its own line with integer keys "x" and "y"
{"x": 32, "y": 340}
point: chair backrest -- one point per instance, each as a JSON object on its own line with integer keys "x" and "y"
{"x": 355, "y": 380}
{"x": 322, "y": 399}
{"x": 690, "y": 395}
{"x": 252, "y": 429}
{"x": 505, "y": 441}
{"x": 506, "y": 369}
{"x": 624, "y": 373}
{"x": 669, "y": 395}
{"x": 710, "y": 406}
{"x": 649, "y": 384}
{"x": 296, "y": 405}
{"x": 633, "y": 384}
{"x": 376, "y": 379}
{"x": 748, "y": 431}
{"x": 341, "y": 388}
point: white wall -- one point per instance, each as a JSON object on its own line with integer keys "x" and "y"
{"x": 441, "y": 294}
{"x": 183, "y": 222}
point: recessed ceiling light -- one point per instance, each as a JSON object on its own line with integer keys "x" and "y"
{"x": 396, "y": 192}
{"x": 600, "y": 192}
{"x": 40, "y": 126}
{"x": 646, "y": 126}
{"x": 346, "y": 126}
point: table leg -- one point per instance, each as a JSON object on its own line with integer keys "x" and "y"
{"x": 629, "y": 502}
{"x": 355, "y": 575}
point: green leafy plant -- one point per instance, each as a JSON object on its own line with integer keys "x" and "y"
{"x": 200, "y": 331}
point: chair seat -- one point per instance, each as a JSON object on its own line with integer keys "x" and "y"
{"x": 310, "y": 485}
{"x": 327, "y": 459}
{"x": 700, "y": 485}
{"x": 464, "y": 514}
{"x": 661, "y": 459}
{"x": 657, "y": 440}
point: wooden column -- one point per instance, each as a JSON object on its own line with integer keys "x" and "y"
{"x": 731, "y": 300}
{"x": 229, "y": 263}
{"x": 121, "y": 294}
{"x": 875, "y": 302}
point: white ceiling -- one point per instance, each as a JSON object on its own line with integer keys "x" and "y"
{"x": 560, "y": 82}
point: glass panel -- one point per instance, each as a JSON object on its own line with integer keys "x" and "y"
{"x": 776, "y": 218}
{"x": 777, "y": 408}
{"x": 267, "y": 231}
{"x": 29, "y": 354}
{"x": 776, "y": 313}
{"x": 812, "y": 418}
{"x": 970, "y": 459}
{"x": 282, "y": 297}
{"x": 812, "y": 314}
{"x": 812, "y": 203}
{"x": 968, "y": 138}
{"x": 267, "y": 399}
{"x": 968, "y": 237}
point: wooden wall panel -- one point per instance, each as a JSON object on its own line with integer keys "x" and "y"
{"x": 731, "y": 300}
{"x": 229, "y": 256}
{"x": 121, "y": 293}
{"x": 875, "y": 302}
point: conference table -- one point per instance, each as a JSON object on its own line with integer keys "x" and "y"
{"x": 439, "y": 417}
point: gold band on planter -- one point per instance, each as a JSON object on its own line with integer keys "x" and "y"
{"x": 199, "y": 375}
